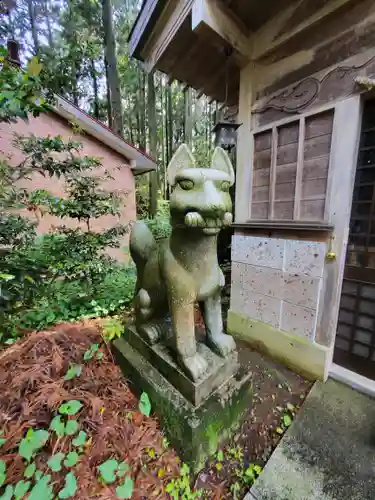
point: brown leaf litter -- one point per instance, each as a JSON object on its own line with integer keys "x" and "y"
{"x": 33, "y": 387}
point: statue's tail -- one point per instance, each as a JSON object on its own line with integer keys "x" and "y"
{"x": 142, "y": 244}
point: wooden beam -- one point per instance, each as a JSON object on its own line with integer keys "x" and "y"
{"x": 217, "y": 17}
{"x": 172, "y": 18}
{"x": 266, "y": 39}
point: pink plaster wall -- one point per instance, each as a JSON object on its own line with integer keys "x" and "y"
{"x": 123, "y": 179}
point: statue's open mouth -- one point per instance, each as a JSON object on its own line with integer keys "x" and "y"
{"x": 209, "y": 225}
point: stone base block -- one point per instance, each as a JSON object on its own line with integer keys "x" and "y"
{"x": 195, "y": 431}
{"x": 219, "y": 369}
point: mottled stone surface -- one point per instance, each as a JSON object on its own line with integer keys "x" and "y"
{"x": 195, "y": 431}
{"x": 267, "y": 252}
{"x": 298, "y": 320}
{"x": 159, "y": 355}
{"x": 300, "y": 290}
{"x": 329, "y": 451}
{"x": 278, "y": 281}
{"x": 306, "y": 257}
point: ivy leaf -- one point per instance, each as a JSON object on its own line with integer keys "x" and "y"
{"x": 32, "y": 442}
{"x": 38, "y": 475}
{"x": 3, "y": 472}
{"x": 73, "y": 371}
{"x": 220, "y": 455}
{"x": 89, "y": 354}
{"x": 8, "y": 493}
{"x": 71, "y": 459}
{"x": 30, "y": 470}
{"x": 80, "y": 440}
{"x": 22, "y": 487}
{"x": 42, "y": 489}
{"x": 71, "y": 407}
{"x": 126, "y": 489}
{"x": 123, "y": 468}
{"x": 287, "y": 420}
{"x": 70, "y": 486}
{"x": 58, "y": 426}
{"x": 107, "y": 470}
{"x": 55, "y": 462}
{"x": 34, "y": 67}
{"x": 71, "y": 427}
{"x": 145, "y": 404}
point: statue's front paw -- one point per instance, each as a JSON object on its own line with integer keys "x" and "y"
{"x": 195, "y": 366}
{"x": 222, "y": 344}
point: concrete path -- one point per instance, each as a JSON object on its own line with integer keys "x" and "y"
{"x": 328, "y": 453}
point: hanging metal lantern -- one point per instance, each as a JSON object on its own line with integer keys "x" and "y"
{"x": 226, "y": 134}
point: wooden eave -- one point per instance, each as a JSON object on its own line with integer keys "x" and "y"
{"x": 188, "y": 39}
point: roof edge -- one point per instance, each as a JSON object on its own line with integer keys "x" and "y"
{"x": 139, "y": 162}
{"x": 143, "y": 24}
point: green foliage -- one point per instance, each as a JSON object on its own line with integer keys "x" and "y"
{"x": 3, "y": 472}
{"x": 181, "y": 488}
{"x": 54, "y": 463}
{"x": 144, "y": 404}
{"x": 70, "y": 486}
{"x": 32, "y": 442}
{"x": 71, "y": 407}
{"x": 112, "y": 328}
{"x": 8, "y": 493}
{"x": 80, "y": 440}
{"x": 30, "y": 470}
{"x": 73, "y": 372}
{"x": 58, "y": 426}
{"x": 22, "y": 487}
{"x": 160, "y": 225}
{"x": 125, "y": 490}
{"x": 20, "y": 92}
{"x": 71, "y": 459}
{"x": 71, "y": 427}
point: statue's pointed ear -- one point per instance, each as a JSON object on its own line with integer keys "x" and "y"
{"x": 221, "y": 161}
{"x": 181, "y": 159}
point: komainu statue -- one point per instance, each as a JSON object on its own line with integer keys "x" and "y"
{"x": 182, "y": 270}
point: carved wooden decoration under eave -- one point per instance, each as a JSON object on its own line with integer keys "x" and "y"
{"x": 339, "y": 82}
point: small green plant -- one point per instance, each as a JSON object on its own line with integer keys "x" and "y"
{"x": 144, "y": 404}
{"x": 111, "y": 471}
{"x": 92, "y": 352}
{"x": 73, "y": 372}
{"x": 181, "y": 488}
{"x": 287, "y": 419}
{"x": 112, "y": 328}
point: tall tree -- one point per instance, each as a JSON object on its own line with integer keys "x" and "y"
{"x": 33, "y": 26}
{"x": 113, "y": 75}
{"x": 188, "y": 122}
{"x": 153, "y": 185}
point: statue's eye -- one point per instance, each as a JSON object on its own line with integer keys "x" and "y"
{"x": 225, "y": 185}
{"x": 186, "y": 185}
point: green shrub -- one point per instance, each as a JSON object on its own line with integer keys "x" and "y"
{"x": 160, "y": 226}
{"x": 67, "y": 301}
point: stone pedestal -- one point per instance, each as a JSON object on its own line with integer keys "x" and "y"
{"x": 196, "y": 417}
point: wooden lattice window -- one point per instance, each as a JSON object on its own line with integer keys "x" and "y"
{"x": 290, "y": 169}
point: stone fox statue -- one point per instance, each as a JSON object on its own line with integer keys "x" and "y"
{"x": 180, "y": 271}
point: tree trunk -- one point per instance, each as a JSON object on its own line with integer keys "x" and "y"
{"x": 94, "y": 77}
{"x": 113, "y": 76}
{"x": 142, "y": 110}
{"x": 152, "y": 130}
{"x": 108, "y": 92}
{"x": 169, "y": 124}
{"x": 188, "y": 121}
{"x": 32, "y": 20}
{"x": 162, "y": 108}
{"x": 49, "y": 28}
